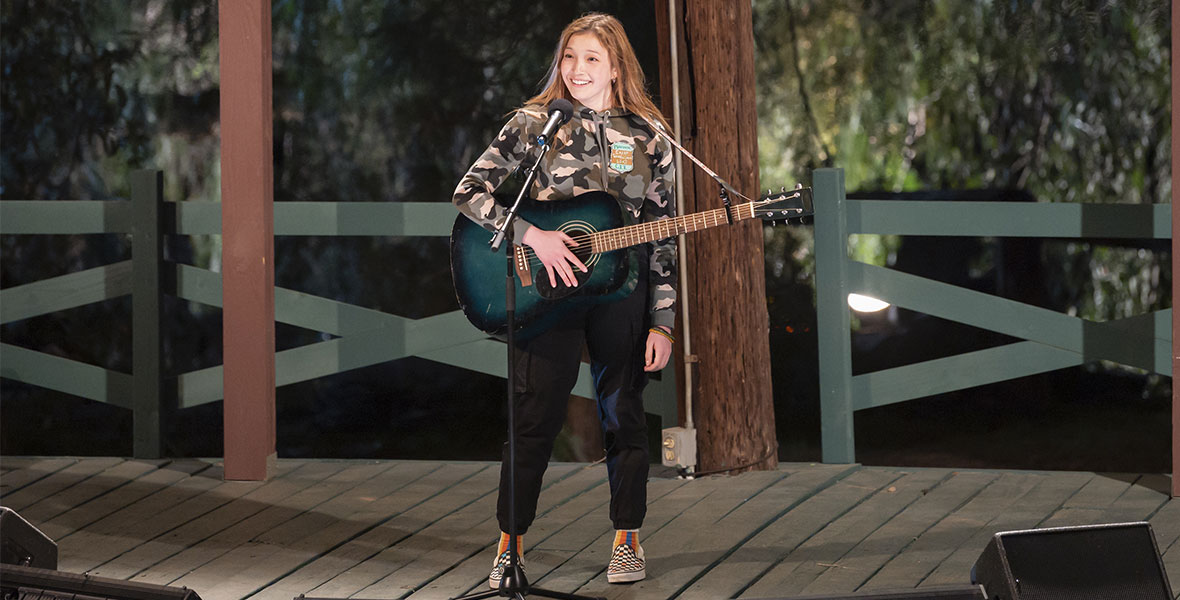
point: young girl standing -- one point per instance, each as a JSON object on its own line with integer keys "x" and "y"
{"x": 609, "y": 145}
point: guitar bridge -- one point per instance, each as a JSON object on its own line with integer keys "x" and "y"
{"x": 522, "y": 266}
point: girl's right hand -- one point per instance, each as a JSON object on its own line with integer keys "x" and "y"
{"x": 553, "y": 249}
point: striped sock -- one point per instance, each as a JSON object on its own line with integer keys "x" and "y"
{"x": 627, "y": 536}
{"x": 505, "y": 540}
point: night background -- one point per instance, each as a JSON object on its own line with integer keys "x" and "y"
{"x": 1065, "y": 101}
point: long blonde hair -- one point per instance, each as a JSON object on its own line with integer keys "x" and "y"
{"x": 628, "y": 91}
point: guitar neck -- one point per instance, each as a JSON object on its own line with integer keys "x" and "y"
{"x": 633, "y": 235}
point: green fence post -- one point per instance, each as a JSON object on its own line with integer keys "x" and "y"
{"x": 147, "y": 350}
{"x": 833, "y": 321}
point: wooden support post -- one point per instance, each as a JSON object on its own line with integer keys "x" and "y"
{"x": 726, "y": 281}
{"x": 833, "y": 320}
{"x": 247, "y": 242}
{"x": 147, "y": 348}
{"x": 1175, "y": 263}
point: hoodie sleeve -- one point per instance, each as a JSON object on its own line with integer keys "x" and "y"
{"x": 661, "y": 204}
{"x": 473, "y": 196}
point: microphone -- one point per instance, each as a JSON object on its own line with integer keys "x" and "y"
{"x": 560, "y": 111}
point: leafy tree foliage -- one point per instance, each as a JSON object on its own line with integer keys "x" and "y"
{"x": 1060, "y": 101}
{"x": 1070, "y": 101}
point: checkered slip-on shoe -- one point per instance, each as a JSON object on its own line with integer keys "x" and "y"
{"x": 500, "y": 565}
{"x": 626, "y": 565}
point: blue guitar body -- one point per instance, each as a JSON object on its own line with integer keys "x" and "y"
{"x": 479, "y": 274}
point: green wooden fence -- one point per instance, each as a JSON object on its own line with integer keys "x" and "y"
{"x": 365, "y": 336}
{"x": 1051, "y": 340}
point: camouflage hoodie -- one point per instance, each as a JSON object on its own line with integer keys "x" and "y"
{"x": 615, "y": 151}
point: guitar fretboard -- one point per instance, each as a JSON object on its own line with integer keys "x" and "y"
{"x": 633, "y": 235}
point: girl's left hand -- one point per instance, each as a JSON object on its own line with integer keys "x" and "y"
{"x": 659, "y": 350}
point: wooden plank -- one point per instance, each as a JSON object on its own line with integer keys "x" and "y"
{"x": 371, "y": 347}
{"x": 914, "y": 564}
{"x": 581, "y": 569}
{"x": 715, "y": 528}
{"x": 86, "y": 548}
{"x": 1175, "y": 227}
{"x": 467, "y": 564}
{"x": 147, "y": 313}
{"x": 963, "y": 305}
{"x": 449, "y": 488}
{"x": 65, "y": 375}
{"x": 572, "y": 528}
{"x": 1171, "y": 560}
{"x": 274, "y": 554}
{"x": 24, "y": 217}
{"x": 471, "y": 558}
{"x": 1168, "y": 520}
{"x": 423, "y": 530}
{"x": 1090, "y": 503}
{"x": 818, "y": 503}
{"x": 832, "y": 286}
{"x": 694, "y": 509}
{"x": 208, "y": 514}
{"x": 189, "y": 217}
{"x": 331, "y": 218}
{"x": 822, "y": 551}
{"x": 19, "y": 472}
{"x": 177, "y": 567}
{"x": 120, "y": 494}
{"x": 1165, "y": 525}
{"x": 1027, "y": 511}
{"x": 65, "y": 291}
{"x": 247, "y": 237}
{"x": 581, "y": 527}
{"x": 854, "y": 568}
{"x": 1141, "y": 499}
{"x": 57, "y": 483}
{"x": 364, "y": 218}
{"x": 388, "y": 535}
{"x": 1134, "y": 341}
{"x": 951, "y": 373}
{"x": 1010, "y": 219}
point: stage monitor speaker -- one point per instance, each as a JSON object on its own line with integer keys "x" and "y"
{"x": 958, "y": 592}
{"x": 45, "y": 584}
{"x": 23, "y": 544}
{"x": 1115, "y": 561}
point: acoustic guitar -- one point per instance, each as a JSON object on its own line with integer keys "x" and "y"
{"x": 595, "y": 221}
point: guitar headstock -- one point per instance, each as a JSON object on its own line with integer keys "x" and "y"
{"x": 784, "y": 205}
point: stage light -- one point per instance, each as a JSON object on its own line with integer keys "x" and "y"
{"x": 866, "y": 304}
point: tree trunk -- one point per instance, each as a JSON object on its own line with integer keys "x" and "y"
{"x": 726, "y": 280}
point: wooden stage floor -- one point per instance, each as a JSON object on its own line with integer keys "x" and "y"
{"x": 424, "y": 530}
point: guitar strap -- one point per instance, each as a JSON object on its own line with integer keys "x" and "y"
{"x": 659, "y": 129}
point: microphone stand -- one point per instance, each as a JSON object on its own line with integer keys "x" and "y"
{"x": 514, "y": 584}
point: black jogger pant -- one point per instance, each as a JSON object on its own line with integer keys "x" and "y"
{"x": 546, "y": 369}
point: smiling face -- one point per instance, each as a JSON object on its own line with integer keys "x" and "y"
{"x": 587, "y": 71}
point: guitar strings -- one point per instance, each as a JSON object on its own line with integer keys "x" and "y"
{"x": 667, "y": 227}
{"x": 673, "y": 229}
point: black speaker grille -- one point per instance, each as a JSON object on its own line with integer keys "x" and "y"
{"x": 1107, "y": 563}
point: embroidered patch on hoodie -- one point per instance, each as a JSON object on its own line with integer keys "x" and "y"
{"x": 622, "y": 157}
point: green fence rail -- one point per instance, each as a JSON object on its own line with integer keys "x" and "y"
{"x": 1051, "y": 340}
{"x": 364, "y": 336}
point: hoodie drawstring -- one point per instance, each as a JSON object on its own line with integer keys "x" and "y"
{"x": 604, "y": 158}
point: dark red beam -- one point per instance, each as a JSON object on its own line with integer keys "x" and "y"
{"x": 247, "y": 239}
